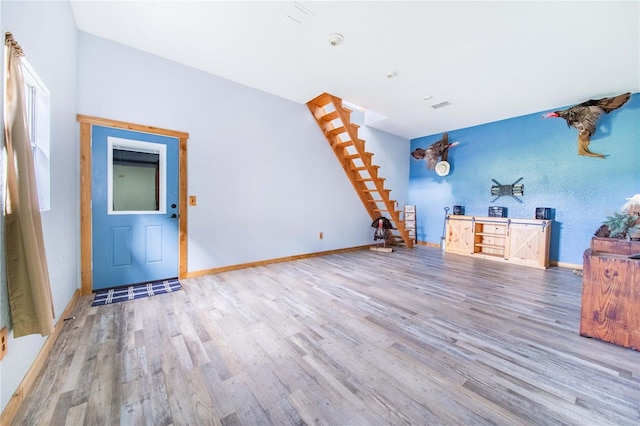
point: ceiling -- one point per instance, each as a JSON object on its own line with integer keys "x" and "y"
{"x": 489, "y": 60}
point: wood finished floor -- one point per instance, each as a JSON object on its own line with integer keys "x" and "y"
{"x": 363, "y": 338}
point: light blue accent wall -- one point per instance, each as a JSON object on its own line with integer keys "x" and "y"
{"x": 581, "y": 190}
{"x": 47, "y": 33}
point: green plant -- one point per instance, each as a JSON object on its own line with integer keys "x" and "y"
{"x": 622, "y": 224}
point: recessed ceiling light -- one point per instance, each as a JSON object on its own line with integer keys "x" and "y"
{"x": 335, "y": 39}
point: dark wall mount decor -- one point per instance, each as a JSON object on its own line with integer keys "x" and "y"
{"x": 514, "y": 190}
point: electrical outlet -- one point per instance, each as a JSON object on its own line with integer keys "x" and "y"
{"x": 3, "y": 342}
{"x": 321, "y": 235}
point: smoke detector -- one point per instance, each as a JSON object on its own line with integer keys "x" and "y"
{"x": 335, "y": 39}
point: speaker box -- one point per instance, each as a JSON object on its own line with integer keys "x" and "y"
{"x": 495, "y": 211}
{"x": 543, "y": 213}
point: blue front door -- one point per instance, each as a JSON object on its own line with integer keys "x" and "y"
{"x": 134, "y": 207}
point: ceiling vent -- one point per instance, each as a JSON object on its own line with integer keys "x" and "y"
{"x": 440, "y": 105}
{"x": 296, "y": 16}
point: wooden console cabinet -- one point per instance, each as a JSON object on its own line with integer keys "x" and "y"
{"x": 610, "y": 308}
{"x": 521, "y": 241}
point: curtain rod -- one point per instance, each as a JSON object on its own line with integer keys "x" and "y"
{"x": 11, "y": 42}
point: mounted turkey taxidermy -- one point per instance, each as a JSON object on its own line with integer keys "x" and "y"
{"x": 434, "y": 152}
{"x": 584, "y": 117}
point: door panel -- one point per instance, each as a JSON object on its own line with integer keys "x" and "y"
{"x": 527, "y": 244}
{"x": 121, "y": 247}
{"x": 135, "y": 193}
{"x": 154, "y": 244}
{"x": 459, "y": 238}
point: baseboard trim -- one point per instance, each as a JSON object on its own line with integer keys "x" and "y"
{"x": 30, "y": 377}
{"x": 566, "y": 265}
{"x": 270, "y": 261}
{"x": 552, "y": 263}
{"x": 428, "y": 244}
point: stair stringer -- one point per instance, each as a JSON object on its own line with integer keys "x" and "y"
{"x": 335, "y": 122}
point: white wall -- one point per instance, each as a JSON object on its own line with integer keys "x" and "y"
{"x": 47, "y": 33}
{"x": 392, "y": 153}
{"x": 265, "y": 179}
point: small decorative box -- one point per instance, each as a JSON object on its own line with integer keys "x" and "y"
{"x": 458, "y": 210}
{"x": 543, "y": 213}
{"x": 495, "y": 211}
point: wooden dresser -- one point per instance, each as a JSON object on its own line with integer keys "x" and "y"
{"x": 611, "y": 292}
{"x": 521, "y": 241}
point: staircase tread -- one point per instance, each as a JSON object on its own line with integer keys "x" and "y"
{"x": 321, "y": 100}
{"x": 352, "y": 156}
{"x": 330, "y": 116}
{"x": 344, "y": 129}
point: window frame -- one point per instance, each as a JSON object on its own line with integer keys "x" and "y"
{"x": 137, "y": 146}
{"x": 38, "y": 105}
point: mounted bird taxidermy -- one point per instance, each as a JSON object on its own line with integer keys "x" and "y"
{"x": 436, "y": 155}
{"x": 584, "y": 117}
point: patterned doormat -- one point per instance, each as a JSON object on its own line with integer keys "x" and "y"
{"x": 137, "y": 291}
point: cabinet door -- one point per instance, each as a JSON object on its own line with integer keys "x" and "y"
{"x": 459, "y": 238}
{"x": 529, "y": 244}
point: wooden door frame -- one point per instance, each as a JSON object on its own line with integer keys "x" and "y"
{"x": 86, "y": 249}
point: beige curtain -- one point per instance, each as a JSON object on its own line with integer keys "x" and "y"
{"x": 29, "y": 291}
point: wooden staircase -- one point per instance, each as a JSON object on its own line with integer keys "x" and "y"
{"x": 335, "y": 122}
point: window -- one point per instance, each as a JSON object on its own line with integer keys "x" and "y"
{"x": 38, "y": 111}
{"x": 136, "y": 177}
